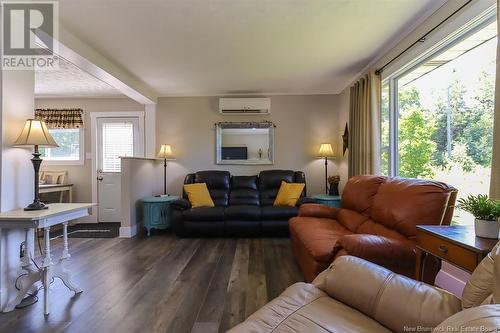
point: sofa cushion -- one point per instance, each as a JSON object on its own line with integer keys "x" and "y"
{"x": 279, "y": 212}
{"x": 204, "y": 214}
{"x": 242, "y": 212}
{"x": 289, "y": 194}
{"x": 244, "y": 191}
{"x": 218, "y": 183}
{"x": 359, "y": 193}
{"x": 198, "y": 195}
{"x": 401, "y": 204}
{"x": 304, "y": 308}
{"x": 318, "y": 236}
{"x": 270, "y": 182}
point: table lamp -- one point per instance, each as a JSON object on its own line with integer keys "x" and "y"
{"x": 167, "y": 154}
{"x": 35, "y": 133}
{"x": 326, "y": 151}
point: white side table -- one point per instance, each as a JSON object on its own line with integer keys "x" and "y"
{"x": 57, "y": 213}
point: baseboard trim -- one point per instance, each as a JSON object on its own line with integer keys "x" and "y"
{"x": 128, "y": 232}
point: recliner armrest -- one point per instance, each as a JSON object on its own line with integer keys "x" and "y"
{"x": 377, "y": 249}
{"x": 317, "y": 210}
{"x": 395, "y": 301}
{"x": 180, "y": 204}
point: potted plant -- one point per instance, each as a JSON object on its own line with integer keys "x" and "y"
{"x": 334, "y": 185}
{"x": 486, "y": 211}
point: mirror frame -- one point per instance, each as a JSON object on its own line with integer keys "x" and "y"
{"x": 254, "y": 124}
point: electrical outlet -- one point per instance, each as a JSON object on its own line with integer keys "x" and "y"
{"x": 22, "y": 250}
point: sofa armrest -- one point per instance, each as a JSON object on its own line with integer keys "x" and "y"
{"x": 317, "y": 210}
{"x": 393, "y": 300}
{"x": 304, "y": 200}
{"x": 180, "y": 204}
{"x": 378, "y": 249}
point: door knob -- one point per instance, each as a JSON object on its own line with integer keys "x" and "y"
{"x": 100, "y": 178}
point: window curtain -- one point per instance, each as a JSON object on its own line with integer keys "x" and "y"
{"x": 61, "y": 118}
{"x": 364, "y": 125}
{"x": 495, "y": 163}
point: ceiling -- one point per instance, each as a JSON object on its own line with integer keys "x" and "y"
{"x": 70, "y": 81}
{"x": 220, "y": 47}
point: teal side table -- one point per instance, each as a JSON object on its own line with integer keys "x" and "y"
{"x": 157, "y": 212}
{"x": 329, "y": 200}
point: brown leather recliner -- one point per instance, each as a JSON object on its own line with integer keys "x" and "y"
{"x": 377, "y": 222}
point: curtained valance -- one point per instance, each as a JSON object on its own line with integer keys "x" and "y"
{"x": 61, "y": 118}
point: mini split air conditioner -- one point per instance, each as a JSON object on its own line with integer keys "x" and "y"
{"x": 244, "y": 106}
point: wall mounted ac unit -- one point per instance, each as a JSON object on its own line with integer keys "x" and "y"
{"x": 244, "y": 106}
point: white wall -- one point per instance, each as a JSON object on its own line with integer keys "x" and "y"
{"x": 16, "y": 171}
{"x": 303, "y": 123}
{"x": 140, "y": 178}
{"x": 80, "y": 175}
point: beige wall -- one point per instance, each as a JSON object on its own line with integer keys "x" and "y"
{"x": 303, "y": 122}
{"x": 80, "y": 175}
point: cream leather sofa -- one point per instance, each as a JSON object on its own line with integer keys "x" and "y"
{"x": 354, "y": 295}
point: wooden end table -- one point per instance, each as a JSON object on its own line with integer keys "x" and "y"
{"x": 457, "y": 245}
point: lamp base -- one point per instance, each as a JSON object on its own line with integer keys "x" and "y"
{"x": 36, "y": 205}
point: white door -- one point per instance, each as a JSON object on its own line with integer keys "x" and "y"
{"x": 116, "y": 137}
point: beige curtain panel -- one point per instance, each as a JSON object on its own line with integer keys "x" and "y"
{"x": 495, "y": 164}
{"x": 364, "y": 128}
{"x": 61, "y": 118}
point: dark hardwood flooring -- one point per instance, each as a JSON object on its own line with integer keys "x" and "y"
{"x": 161, "y": 284}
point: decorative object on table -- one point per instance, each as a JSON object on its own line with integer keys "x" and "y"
{"x": 157, "y": 212}
{"x": 334, "y": 185}
{"x": 328, "y": 200}
{"x": 345, "y": 139}
{"x": 326, "y": 152}
{"x": 486, "y": 212}
{"x": 167, "y": 154}
{"x": 35, "y": 133}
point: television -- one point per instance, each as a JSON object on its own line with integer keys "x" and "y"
{"x": 234, "y": 153}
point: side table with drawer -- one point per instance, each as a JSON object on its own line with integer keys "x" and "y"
{"x": 329, "y": 200}
{"x": 457, "y": 245}
{"x": 157, "y": 212}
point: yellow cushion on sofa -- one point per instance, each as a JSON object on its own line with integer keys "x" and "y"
{"x": 288, "y": 194}
{"x": 198, "y": 195}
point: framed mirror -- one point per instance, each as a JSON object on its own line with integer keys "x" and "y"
{"x": 244, "y": 143}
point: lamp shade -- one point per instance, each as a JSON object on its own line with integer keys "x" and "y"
{"x": 326, "y": 150}
{"x": 166, "y": 152}
{"x": 35, "y": 133}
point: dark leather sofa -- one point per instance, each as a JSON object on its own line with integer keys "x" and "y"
{"x": 243, "y": 205}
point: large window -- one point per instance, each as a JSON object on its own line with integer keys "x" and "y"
{"x": 70, "y": 150}
{"x": 437, "y": 117}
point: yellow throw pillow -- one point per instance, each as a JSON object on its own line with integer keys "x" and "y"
{"x": 288, "y": 194}
{"x": 198, "y": 195}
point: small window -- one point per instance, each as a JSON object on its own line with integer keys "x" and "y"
{"x": 70, "y": 150}
{"x": 117, "y": 141}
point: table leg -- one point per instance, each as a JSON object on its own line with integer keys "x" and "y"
{"x": 60, "y": 269}
{"x": 70, "y": 195}
{"x": 419, "y": 266}
{"x": 29, "y": 280}
{"x": 47, "y": 274}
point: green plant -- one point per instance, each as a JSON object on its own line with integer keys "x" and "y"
{"x": 482, "y": 207}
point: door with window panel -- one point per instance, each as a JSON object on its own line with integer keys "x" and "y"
{"x": 116, "y": 137}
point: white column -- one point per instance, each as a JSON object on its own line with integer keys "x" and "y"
{"x": 16, "y": 170}
{"x": 150, "y": 130}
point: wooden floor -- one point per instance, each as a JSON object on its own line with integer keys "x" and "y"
{"x": 161, "y": 284}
